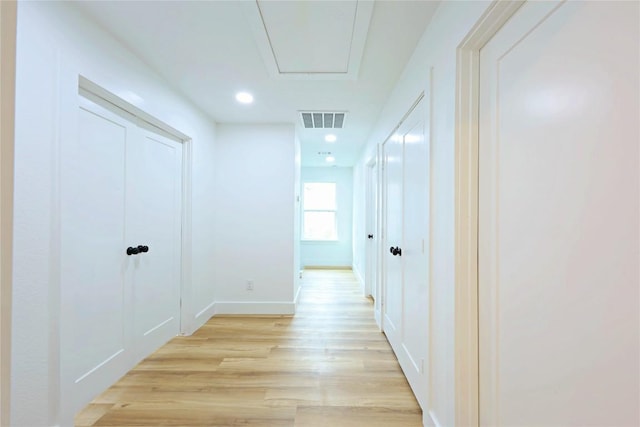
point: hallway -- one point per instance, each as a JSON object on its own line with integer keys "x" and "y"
{"x": 327, "y": 366}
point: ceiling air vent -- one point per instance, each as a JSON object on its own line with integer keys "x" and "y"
{"x": 322, "y": 120}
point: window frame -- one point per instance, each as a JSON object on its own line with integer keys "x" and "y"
{"x": 335, "y": 212}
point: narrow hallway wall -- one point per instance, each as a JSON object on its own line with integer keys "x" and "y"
{"x": 56, "y": 44}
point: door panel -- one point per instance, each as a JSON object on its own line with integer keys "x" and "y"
{"x": 415, "y": 251}
{"x": 392, "y": 308}
{"x": 406, "y": 285}
{"x": 559, "y": 209}
{"x": 155, "y": 204}
{"x": 92, "y": 257}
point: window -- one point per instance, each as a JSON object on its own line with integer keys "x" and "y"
{"x": 319, "y": 211}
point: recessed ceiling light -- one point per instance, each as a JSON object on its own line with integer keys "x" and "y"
{"x": 330, "y": 159}
{"x": 330, "y": 138}
{"x": 244, "y": 97}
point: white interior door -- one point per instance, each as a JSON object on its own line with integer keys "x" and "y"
{"x": 558, "y": 217}
{"x": 393, "y": 282}
{"x": 406, "y": 259}
{"x": 95, "y": 337}
{"x": 415, "y": 246}
{"x": 371, "y": 222}
{"x": 154, "y": 205}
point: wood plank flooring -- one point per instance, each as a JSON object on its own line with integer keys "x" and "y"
{"x": 326, "y": 366}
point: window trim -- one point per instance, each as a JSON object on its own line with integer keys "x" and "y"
{"x": 335, "y": 211}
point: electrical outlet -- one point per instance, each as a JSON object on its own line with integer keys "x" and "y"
{"x": 249, "y": 285}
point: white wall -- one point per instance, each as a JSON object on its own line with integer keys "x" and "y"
{"x": 359, "y": 250}
{"x": 436, "y": 51}
{"x": 255, "y": 208}
{"x": 55, "y": 44}
{"x": 297, "y": 263}
{"x": 335, "y": 253}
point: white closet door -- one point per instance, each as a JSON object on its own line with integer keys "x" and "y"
{"x": 406, "y": 208}
{"x": 153, "y": 212}
{"x": 393, "y": 281}
{"x": 558, "y": 217}
{"x": 95, "y": 338}
{"x": 415, "y": 245}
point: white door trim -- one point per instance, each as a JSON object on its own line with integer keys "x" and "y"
{"x": 7, "y": 116}
{"x": 379, "y": 300}
{"x": 373, "y": 249}
{"x": 466, "y": 208}
{"x": 370, "y": 215}
{"x": 187, "y": 326}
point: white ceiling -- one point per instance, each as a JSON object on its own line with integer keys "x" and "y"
{"x": 303, "y": 56}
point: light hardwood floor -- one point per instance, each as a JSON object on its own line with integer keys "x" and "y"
{"x": 326, "y": 366}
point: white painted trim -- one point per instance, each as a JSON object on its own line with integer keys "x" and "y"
{"x": 429, "y": 419}
{"x": 377, "y": 307}
{"x": 206, "y": 314}
{"x": 55, "y": 253}
{"x": 115, "y": 100}
{"x": 297, "y": 297}
{"x": 188, "y": 322}
{"x": 466, "y": 209}
{"x": 371, "y": 223}
{"x": 7, "y": 118}
{"x": 361, "y": 281}
{"x": 254, "y": 308}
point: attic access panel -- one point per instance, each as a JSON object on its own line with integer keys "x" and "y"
{"x": 310, "y": 39}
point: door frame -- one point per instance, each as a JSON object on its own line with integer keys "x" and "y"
{"x": 8, "y": 16}
{"x": 370, "y": 221}
{"x": 373, "y": 248}
{"x": 466, "y": 370}
{"x": 382, "y": 280}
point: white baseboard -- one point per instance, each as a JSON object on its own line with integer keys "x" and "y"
{"x": 356, "y": 272}
{"x": 254, "y": 307}
{"x": 198, "y": 320}
{"x": 429, "y": 419}
{"x": 326, "y": 267}
{"x": 206, "y": 312}
{"x": 297, "y": 297}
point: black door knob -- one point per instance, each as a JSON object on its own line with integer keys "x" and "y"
{"x": 143, "y": 248}
{"x": 370, "y": 236}
{"x": 391, "y": 249}
{"x": 132, "y": 251}
{"x": 396, "y": 251}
